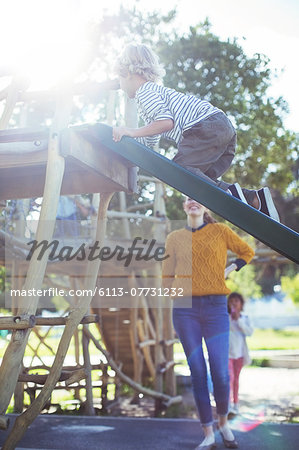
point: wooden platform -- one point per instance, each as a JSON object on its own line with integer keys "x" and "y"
{"x": 89, "y": 167}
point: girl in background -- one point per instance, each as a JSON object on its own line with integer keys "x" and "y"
{"x": 239, "y": 328}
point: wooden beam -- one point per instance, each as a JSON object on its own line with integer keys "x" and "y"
{"x": 51, "y": 321}
{"x": 27, "y": 153}
{"x": 129, "y": 215}
{"x": 70, "y": 377}
{"x": 147, "y": 343}
{"x": 17, "y": 322}
{"x": 77, "y": 376}
{"x": 170, "y": 342}
{"x": 166, "y": 366}
{"x": 95, "y": 158}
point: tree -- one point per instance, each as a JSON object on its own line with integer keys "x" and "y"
{"x": 290, "y": 285}
{"x": 244, "y": 281}
{"x": 219, "y": 71}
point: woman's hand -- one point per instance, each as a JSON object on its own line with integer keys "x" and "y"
{"x": 119, "y": 132}
{"x": 229, "y": 269}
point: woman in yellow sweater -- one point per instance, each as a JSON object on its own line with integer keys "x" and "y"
{"x": 207, "y": 316}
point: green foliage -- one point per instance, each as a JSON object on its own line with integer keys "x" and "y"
{"x": 219, "y": 71}
{"x": 244, "y": 281}
{"x": 59, "y": 303}
{"x": 174, "y": 205}
{"x": 290, "y": 285}
{"x": 200, "y": 63}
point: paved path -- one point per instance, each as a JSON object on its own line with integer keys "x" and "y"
{"x": 275, "y": 391}
{"x": 50, "y": 432}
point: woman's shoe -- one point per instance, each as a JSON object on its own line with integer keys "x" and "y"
{"x": 229, "y": 444}
{"x": 206, "y": 447}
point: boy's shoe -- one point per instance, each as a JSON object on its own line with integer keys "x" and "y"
{"x": 259, "y": 199}
{"x": 266, "y": 203}
{"x": 236, "y": 191}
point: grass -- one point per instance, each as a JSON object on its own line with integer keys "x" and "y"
{"x": 271, "y": 339}
{"x": 262, "y": 339}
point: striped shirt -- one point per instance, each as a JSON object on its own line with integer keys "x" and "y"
{"x": 155, "y": 102}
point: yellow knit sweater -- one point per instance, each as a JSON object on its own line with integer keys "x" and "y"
{"x": 197, "y": 260}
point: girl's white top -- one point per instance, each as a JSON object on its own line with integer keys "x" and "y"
{"x": 238, "y": 330}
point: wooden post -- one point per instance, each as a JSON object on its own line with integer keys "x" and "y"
{"x": 168, "y": 331}
{"x": 158, "y": 311}
{"x": 136, "y": 352}
{"x": 104, "y": 388}
{"x": 4, "y": 422}
{"x": 123, "y": 207}
{"x": 15, "y": 284}
{"x": 77, "y": 358}
{"x": 75, "y": 316}
{"x": 11, "y": 99}
{"x": 110, "y": 111}
{"x": 131, "y": 120}
{"x": 88, "y": 409}
{"x": 19, "y": 398}
{"x": 13, "y": 357}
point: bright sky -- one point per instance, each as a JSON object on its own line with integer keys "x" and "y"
{"x": 35, "y": 35}
{"x": 270, "y": 27}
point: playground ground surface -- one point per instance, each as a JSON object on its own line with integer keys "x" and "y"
{"x": 112, "y": 433}
{"x": 269, "y": 398}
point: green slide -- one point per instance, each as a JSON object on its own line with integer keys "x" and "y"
{"x": 275, "y": 235}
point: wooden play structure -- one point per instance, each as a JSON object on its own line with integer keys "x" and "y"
{"x": 84, "y": 159}
{"x": 48, "y": 163}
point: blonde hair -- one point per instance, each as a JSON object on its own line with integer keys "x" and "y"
{"x": 139, "y": 59}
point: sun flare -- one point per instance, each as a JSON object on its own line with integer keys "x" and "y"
{"x": 45, "y": 41}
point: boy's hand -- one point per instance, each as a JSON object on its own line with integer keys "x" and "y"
{"x": 119, "y": 132}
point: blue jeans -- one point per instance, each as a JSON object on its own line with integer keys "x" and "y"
{"x": 208, "y": 319}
